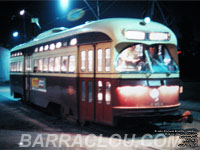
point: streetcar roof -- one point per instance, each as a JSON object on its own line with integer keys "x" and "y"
{"x": 113, "y": 27}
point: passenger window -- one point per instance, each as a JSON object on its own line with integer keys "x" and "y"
{"x": 100, "y": 92}
{"x": 99, "y": 59}
{"x": 90, "y": 92}
{"x": 57, "y": 64}
{"x": 20, "y": 66}
{"x": 14, "y": 66}
{"x": 45, "y": 64}
{"x": 40, "y": 65}
{"x": 83, "y": 91}
{"x": 11, "y": 67}
{"x": 90, "y": 60}
{"x": 28, "y": 64}
{"x": 17, "y": 66}
{"x": 108, "y": 93}
{"x": 71, "y": 63}
{"x": 51, "y": 64}
{"x": 35, "y": 69}
{"x": 83, "y": 60}
{"x": 107, "y": 61}
{"x": 64, "y": 64}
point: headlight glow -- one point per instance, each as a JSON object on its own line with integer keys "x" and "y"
{"x": 154, "y": 93}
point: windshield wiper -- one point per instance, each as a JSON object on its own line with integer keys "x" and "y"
{"x": 148, "y": 61}
{"x": 161, "y": 65}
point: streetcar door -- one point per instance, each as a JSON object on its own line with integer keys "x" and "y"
{"x": 103, "y": 83}
{"x": 27, "y": 70}
{"x": 86, "y": 82}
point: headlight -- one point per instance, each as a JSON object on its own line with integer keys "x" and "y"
{"x": 154, "y": 93}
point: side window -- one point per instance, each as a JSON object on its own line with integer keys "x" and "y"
{"x": 64, "y": 63}
{"x": 99, "y": 59}
{"x": 57, "y": 64}
{"x": 100, "y": 92}
{"x": 17, "y": 66}
{"x": 14, "y": 66}
{"x": 45, "y": 64}
{"x": 11, "y": 67}
{"x": 20, "y": 66}
{"x": 40, "y": 65}
{"x": 83, "y": 91}
{"x": 28, "y": 64}
{"x": 35, "y": 69}
{"x": 107, "y": 61}
{"x": 83, "y": 61}
{"x": 51, "y": 64}
{"x": 71, "y": 63}
{"x": 90, "y": 61}
{"x": 90, "y": 97}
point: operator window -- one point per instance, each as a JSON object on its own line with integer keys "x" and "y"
{"x": 107, "y": 61}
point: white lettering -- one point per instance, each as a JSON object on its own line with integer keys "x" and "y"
{"x": 25, "y": 140}
{"x": 38, "y": 141}
{"x": 117, "y": 143}
{"x": 100, "y": 141}
{"x": 146, "y": 136}
{"x": 66, "y": 140}
{"x": 128, "y": 142}
{"x": 77, "y": 141}
{"x": 89, "y": 138}
{"x": 160, "y": 136}
{"x": 51, "y": 138}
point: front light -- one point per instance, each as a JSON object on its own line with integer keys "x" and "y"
{"x": 154, "y": 93}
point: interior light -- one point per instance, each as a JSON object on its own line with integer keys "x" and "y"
{"x": 36, "y": 50}
{"x": 46, "y": 47}
{"x": 52, "y": 46}
{"x": 58, "y": 45}
{"x": 159, "y": 36}
{"x": 135, "y": 35}
{"x": 41, "y": 48}
{"x": 73, "y": 41}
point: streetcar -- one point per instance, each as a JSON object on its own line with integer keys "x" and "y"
{"x": 102, "y": 71}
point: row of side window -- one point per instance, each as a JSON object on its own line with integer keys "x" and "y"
{"x": 54, "y": 64}
{"x": 16, "y": 66}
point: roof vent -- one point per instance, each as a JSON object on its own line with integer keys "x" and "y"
{"x": 50, "y": 32}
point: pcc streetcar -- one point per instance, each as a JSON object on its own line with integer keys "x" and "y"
{"x": 101, "y": 71}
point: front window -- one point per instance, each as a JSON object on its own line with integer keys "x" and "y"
{"x": 139, "y": 57}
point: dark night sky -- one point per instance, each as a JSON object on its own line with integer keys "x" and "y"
{"x": 182, "y": 17}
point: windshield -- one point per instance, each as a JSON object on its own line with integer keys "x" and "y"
{"x": 139, "y": 57}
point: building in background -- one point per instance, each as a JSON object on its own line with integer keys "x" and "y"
{"x": 4, "y": 64}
